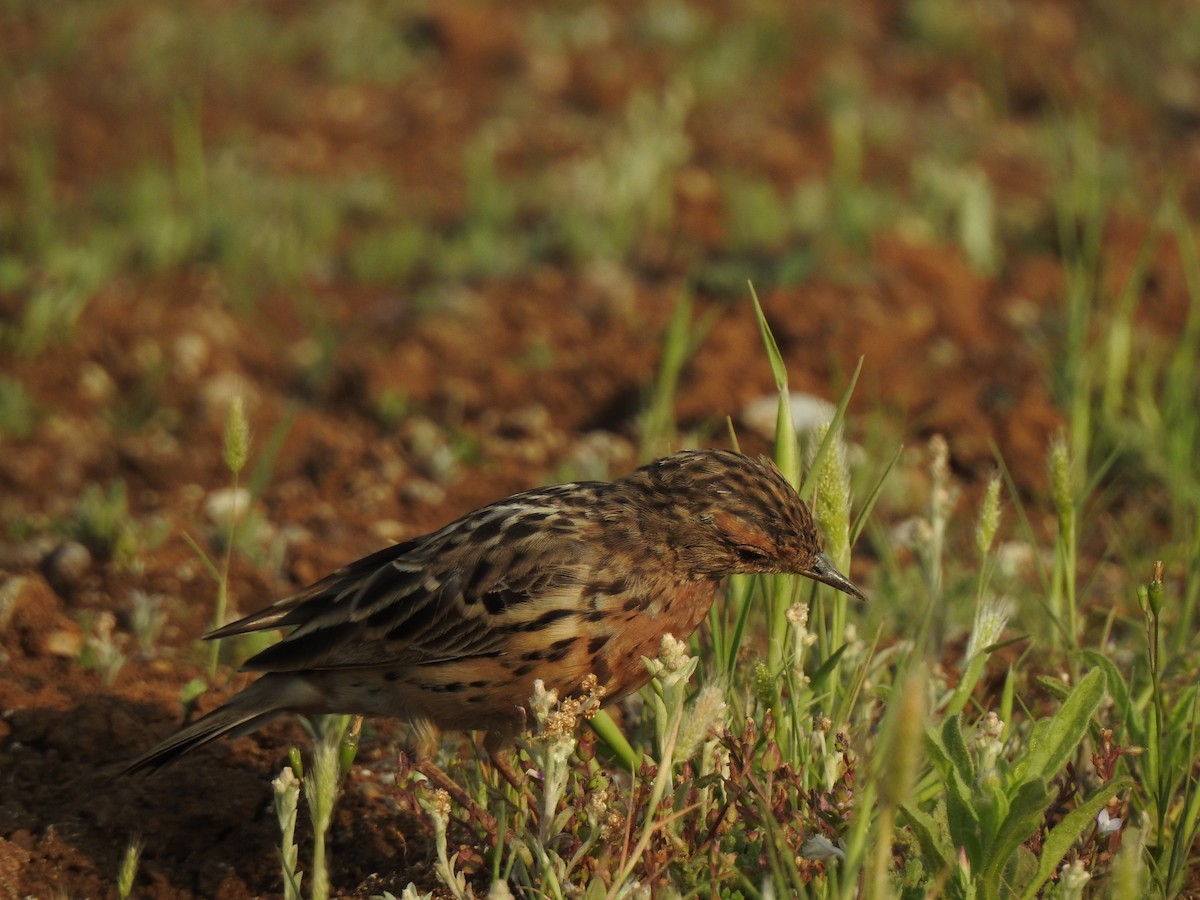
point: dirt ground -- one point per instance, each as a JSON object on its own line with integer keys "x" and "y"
{"x": 507, "y": 383}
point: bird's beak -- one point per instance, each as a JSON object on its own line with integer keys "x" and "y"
{"x": 822, "y": 570}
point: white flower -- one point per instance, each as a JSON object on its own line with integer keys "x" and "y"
{"x": 1106, "y": 823}
{"x": 1073, "y": 877}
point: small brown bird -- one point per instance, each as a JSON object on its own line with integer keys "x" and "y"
{"x": 450, "y": 629}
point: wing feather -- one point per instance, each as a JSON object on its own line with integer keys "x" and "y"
{"x": 451, "y": 595}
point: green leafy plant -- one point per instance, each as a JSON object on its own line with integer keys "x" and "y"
{"x": 103, "y": 523}
{"x": 992, "y": 806}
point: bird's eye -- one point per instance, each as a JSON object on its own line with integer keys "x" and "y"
{"x": 751, "y": 554}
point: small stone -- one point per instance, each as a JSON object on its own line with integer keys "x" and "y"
{"x": 95, "y": 384}
{"x": 67, "y": 565}
{"x": 423, "y": 491}
{"x": 191, "y": 354}
{"x": 12, "y": 589}
{"x": 391, "y": 530}
{"x": 226, "y": 505}
{"x": 64, "y": 643}
{"x": 809, "y": 412}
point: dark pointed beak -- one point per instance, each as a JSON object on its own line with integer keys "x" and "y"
{"x": 822, "y": 570}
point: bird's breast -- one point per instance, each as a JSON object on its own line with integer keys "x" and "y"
{"x": 636, "y": 628}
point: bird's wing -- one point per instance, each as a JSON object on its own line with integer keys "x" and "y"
{"x": 516, "y": 566}
{"x": 332, "y": 591}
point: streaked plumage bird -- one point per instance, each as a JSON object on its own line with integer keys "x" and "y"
{"x": 450, "y": 629}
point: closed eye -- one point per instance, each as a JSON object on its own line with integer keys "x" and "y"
{"x": 748, "y": 553}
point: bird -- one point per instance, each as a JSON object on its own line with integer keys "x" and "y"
{"x": 450, "y": 630}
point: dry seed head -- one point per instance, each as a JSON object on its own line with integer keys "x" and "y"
{"x": 943, "y": 495}
{"x": 673, "y": 653}
{"x": 613, "y": 827}
{"x": 672, "y": 666}
{"x": 597, "y": 804}
{"x": 856, "y": 647}
{"x": 439, "y": 805}
{"x": 561, "y": 722}
{"x": 594, "y": 693}
{"x": 991, "y": 725}
{"x": 990, "y": 619}
{"x": 797, "y": 615}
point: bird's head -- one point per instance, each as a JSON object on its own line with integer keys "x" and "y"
{"x": 732, "y": 513}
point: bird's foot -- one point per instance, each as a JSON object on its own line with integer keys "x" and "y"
{"x": 433, "y": 773}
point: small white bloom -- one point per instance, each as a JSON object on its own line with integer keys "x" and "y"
{"x": 1073, "y": 877}
{"x": 1106, "y": 823}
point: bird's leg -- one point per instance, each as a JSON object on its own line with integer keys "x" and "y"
{"x": 428, "y": 737}
{"x": 439, "y": 779}
{"x": 501, "y": 760}
{"x": 501, "y": 763}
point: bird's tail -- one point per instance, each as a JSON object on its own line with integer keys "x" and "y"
{"x": 270, "y": 696}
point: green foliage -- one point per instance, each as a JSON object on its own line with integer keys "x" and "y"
{"x": 333, "y": 743}
{"x": 236, "y": 453}
{"x": 129, "y": 867}
{"x": 287, "y": 800}
{"x": 147, "y": 618}
{"x": 993, "y": 806}
{"x": 102, "y": 522}
{"x": 682, "y": 338}
{"x": 103, "y": 650}
{"x": 17, "y": 410}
